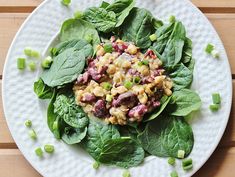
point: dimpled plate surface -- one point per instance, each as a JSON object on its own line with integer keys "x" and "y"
{"x": 20, "y": 103}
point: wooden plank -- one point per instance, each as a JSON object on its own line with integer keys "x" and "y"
{"x": 224, "y": 24}
{"x": 13, "y": 164}
{"x": 220, "y": 164}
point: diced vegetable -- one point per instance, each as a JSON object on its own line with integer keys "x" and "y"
{"x": 128, "y": 84}
{"x": 215, "y": 53}
{"x": 107, "y": 86}
{"x": 153, "y": 37}
{"x": 96, "y": 165}
{"x": 187, "y": 162}
{"x": 145, "y": 62}
{"x": 188, "y": 167}
{"x": 174, "y": 174}
{"x": 66, "y": 2}
{"x": 35, "y": 54}
{"x": 28, "y": 51}
{"x": 33, "y": 134}
{"x": 172, "y": 19}
{"x": 209, "y": 48}
{"x": 171, "y": 161}
{"x": 32, "y": 66}
{"x": 39, "y": 152}
{"x": 21, "y": 63}
{"x": 214, "y": 107}
{"x": 216, "y": 98}
{"x": 137, "y": 79}
{"x": 49, "y": 148}
{"x": 46, "y": 63}
{"x": 108, "y": 48}
{"x": 126, "y": 173}
{"x": 109, "y": 98}
{"x": 28, "y": 123}
{"x": 78, "y": 14}
{"x": 181, "y": 154}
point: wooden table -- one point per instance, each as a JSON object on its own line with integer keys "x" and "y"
{"x": 222, "y": 15}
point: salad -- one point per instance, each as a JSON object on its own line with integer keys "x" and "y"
{"x": 119, "y": 85}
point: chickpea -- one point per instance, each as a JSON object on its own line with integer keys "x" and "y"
{"x": 100, "y": 50}
{"x": 143, "y": 98}
{"x": 144, "y": 70}
{"x": 111, "y": 69}
{"x": 138, "y": 89}
{"x": 118, "y": 90}
{"x": 132, "y": 49}
{"x": 99, "y": 91}
{"x": 168, "y": 92}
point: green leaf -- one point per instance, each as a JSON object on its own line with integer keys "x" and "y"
{"x": 98, "y": 133}
{"x": 78, "y": 29}
{"x": 42, "y": 90}
{"x": 73, "y": 135}
{"x": 104, "y": 4}
{"x": 65, "y": 107}
{"x": 165, "y": 136}
{"x": 182, "y": 77}
{"x": 65, "y": 68}
{"x": 103, "y": 20}
{"x": 123, "y": 152}
{"x": 191, "y": 65}
{"x": 157, "y": 112}
{"x": 122, "y": 9}
{"x": 77, "y": 44}
{"x": 185, "y": 102}
{"x": 187, "y": 51}
{"x": 138, "y": 27}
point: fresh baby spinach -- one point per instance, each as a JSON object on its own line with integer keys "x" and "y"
{"x": 65, "y": 68}
{"x": 167, "y": 135}
{"x": 73, "y": 135}
{"x": 42, "y": 90}
{"x": 138, "y": 27}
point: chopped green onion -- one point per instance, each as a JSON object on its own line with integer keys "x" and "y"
{"x": 21, "y": 63}
{"x": 171, "y": 161}
{"x": 174, "y": 174}
{"x": 35, "y": 54}
{"x": 216, "y": 98}
{"x": 188, "y": 167}
{"x": 137, "y": 79}
{"x": 78, "y": 14}
{"x": 66, "y": 2}
{"x": 49, "y": 148}
{"x": 39, "y": 152}
{"x": 145, "y": 62}
{"x": 172, "y": 19}
{"x": 215, "y": 53}
{"x": 96, "y": 165}
{"x": 187, "y": 162}
{"x": 140, "y": 63}
{"x": 55, "y": 125}
{"x": 181, "y": 154}
{"x": 209, "y": 48}
{"x": 32, "y": 66}
{"x": 214, "y": 107}
{"x": 153, "y": 37}
{"x": 28, "y": 123}
{"x": 126, "y": 173}
{"x": 33, "y": 134}
{"x": 88, "y": 38}
{"x": 46, "y": 63}
{"x": 28, "y": 51}
{"x": 128, "y": 84}
{"x": 109, "y": 98}
{"x": 108, "y": 48}
{"x": 107, "y": 86}
{"x": 53, "y": 51}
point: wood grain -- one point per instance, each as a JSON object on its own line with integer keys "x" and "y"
{"x": 224, "y": 24}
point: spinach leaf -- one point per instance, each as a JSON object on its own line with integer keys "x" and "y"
{"x": 163, "y": 34}
{"x": 53, "y": 119}
{"x": 66, "y": 108}
{"x": 79, "y": 29}
{"x": 182, "y": 77}
{"x": 187, "y": 51}
{"x": 153, "y": 115}
{"x": 122, "y": 9}
{"x": 185, "y": 102}
{"x": 138, "y": 27}
{"x": 104, "y": 4}
{"x": 98, "y": 133}
{"x": 73, "y": 135}
{"x": 103, "y": 20}
{"x": 77, "y": 44}
{"x": 123, "y": 152}
{"x": 42, "y": 90}
{"x": 191, "y": 65}
{"x": 165, "y": 136}
{"x": 65, "y": 68}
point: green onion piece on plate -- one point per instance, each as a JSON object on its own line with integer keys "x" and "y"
{"x": 153, "y": 37}
{"x": 96, "y": 165}
{"x": 66, "y": 2}
{"x": 214, "y": 107}
{"x": 181, "y": 154}
{"x": 174, "y": 174}
{"x": 21, "y": 63}
{"x": 32, "y": 66}
{"x": 126, "y": 173}
{"x": 39, "y": 152}
{"x": 171, "y": 161}
{"x": 28, "y": 123}
{"x": 216, "y": 98}
{"x": 209, "y": 48}
{"x": 128, "y": 84}
{"x": 49, "y": 148}
{"x": 33, "y": 134}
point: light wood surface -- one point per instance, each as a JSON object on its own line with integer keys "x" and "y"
{"x": 222, "y": 15}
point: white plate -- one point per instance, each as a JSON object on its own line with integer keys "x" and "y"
{"x": 20, "y": 103}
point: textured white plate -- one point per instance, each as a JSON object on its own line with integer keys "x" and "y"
{"x": 20, "y": 103}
